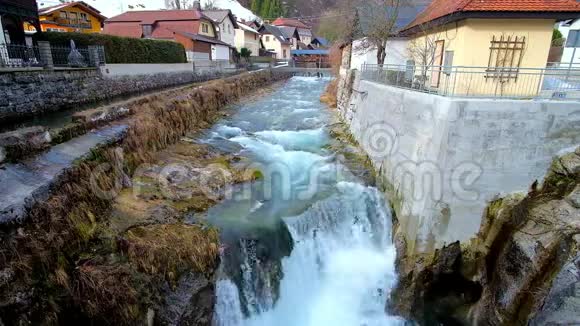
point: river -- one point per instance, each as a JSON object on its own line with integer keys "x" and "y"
{"x": 309, "y": 243}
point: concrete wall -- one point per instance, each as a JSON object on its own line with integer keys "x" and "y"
{"x": 130, "y": 69}
{"x": 447, "y": 158}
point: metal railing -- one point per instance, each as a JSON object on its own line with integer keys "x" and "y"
{"x": 26, "y": 56}
{"x": 65, "y": 57}
{"x": 19, "y": 56}
{"x": 560, "y": 82}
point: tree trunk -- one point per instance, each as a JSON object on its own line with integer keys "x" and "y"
{"x": 177, "y": 4}
{"x": 381, "y": 54}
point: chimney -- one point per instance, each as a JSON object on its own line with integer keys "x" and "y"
{"x": 197, "y": 5}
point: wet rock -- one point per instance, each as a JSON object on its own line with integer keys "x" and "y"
{"x": 30, "y": 181}
{"x": 562, "y": 304}
{"x": 17, "y": 144}
{"x": 190, "y": 303}
{"x": 101, "y": 115}
{"x": 523, "y": 266}
{"x": 574, "y": 197}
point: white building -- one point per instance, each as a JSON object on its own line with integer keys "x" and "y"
{"x": 247, "y": 37}
{"x": 363, "y": 52}
{"x": 570, "y": 28}
{"x": 226, "y": 25}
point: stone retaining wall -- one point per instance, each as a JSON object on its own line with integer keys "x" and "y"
{"x": 26, "y": 93}
{"x": 447, "y": 158}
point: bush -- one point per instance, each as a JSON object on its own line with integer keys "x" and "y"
{"x": 122, "y": 49}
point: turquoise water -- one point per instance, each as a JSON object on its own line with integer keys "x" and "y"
{"x": 309, "y": 243}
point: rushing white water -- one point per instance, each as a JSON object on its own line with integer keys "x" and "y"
{"x": 341, "y": 268}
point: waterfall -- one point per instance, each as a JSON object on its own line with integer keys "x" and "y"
{"x": 342, "y": 264}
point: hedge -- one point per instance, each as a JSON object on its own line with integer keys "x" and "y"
{"x": 122, "y": 49}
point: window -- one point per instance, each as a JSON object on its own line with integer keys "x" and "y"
{"x": 229, "y": 29}
{"x": 63, "y": 15}
{"x": 255, "y": 37}
{"x": 505, "y": 57}
{"x": 204, "y": 28}
{"x": 84, "y": 17}
{"x": 267, "y": 38}
{"x": 448, "y": 62}
{"x": 573, "y": 40}
{"x": 147, "y": 30}
{"x": 284, "y": 53}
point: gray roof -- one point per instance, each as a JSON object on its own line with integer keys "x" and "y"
{"x": 304, "y": 32}
{"x": 270, "y": 29}
{"x": 218, "y": 16}
{"x": 287, "y": 31}
{"x": 202, "y": 38}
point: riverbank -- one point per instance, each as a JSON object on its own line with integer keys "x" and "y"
{"x": 483, "y": 234}
{"x": 73, "y": 256}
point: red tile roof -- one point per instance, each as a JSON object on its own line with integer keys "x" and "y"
{"x": 149, "y": 17}
{"x": 289, "y": 22}
{"x": 442, "y": 8}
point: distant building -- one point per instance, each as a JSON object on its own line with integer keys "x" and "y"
{"x": 319, "y": 43}
{"x": 304, "y": 31}
{"x": 291, "y": 34}
{"x": 275, "y": 41}
{"x": 249, "y": 38}
{"x": 195, "y": 31}
{"x": 14, "y": 14}
{"x": 75, "y": 16}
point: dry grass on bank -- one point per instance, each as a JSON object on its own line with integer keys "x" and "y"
{"x": 65, "y": 249}
{"x": 169, "y": 250}
{"x": 330, "y": 94}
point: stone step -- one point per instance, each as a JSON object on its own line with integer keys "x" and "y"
{"x": 29, "y": 181}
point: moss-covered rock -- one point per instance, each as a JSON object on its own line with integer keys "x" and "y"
{"x": 524, "y": 250}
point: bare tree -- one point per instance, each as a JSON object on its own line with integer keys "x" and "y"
{"x": 179, "y": 4}
{"x": 378, "y": 19}
{"x": 210, "y": 5}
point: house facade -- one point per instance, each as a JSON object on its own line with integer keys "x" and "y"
{"x": 14, "y": 15}
{"x": 497, "y": 39}
{"x": 275, "y": 41}
{"x": 195, "y": 31}
{"x": 75, "y": 16}
{"x": 249, "y": 38}
{"x": 226, "y": 24}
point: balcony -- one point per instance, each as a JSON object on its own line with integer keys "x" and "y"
{"x": 74, "y": 23}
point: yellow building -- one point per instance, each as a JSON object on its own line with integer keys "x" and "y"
{"x": 494, "y": 47}
{"x": 70, "y": 17}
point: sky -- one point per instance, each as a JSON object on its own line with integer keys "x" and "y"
{"x": 110, "y": 8}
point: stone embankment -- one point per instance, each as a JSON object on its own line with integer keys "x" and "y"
{"x": 463, "y": 255}
{"x": 95, "y": 229}
{"x": 40, "y": 92}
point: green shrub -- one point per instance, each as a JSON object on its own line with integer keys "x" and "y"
{"x": 122, "y": 49}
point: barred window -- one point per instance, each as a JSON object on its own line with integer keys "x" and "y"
{"x": 505, "y": 57}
